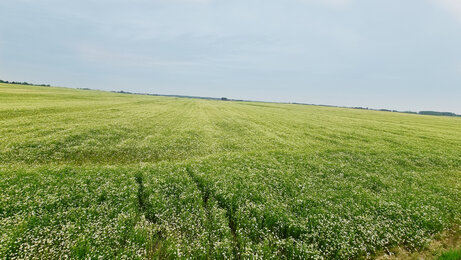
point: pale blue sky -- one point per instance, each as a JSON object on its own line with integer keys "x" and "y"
{"x": 397, "y": 54}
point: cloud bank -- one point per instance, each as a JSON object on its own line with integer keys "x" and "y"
{"x": 453, "y": 6}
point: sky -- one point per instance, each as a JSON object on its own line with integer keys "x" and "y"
{"x": 394, "y": 54}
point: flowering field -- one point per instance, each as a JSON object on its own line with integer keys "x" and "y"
{"x": 90, "y": 174}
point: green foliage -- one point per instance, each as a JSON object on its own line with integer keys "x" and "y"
{"x": 89, "y": 174}
{"x": 451, "y": 255}
{"x": 23, "y": 83}
{"x": 436, "y": 113}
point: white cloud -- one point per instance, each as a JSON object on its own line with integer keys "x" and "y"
{"x": 454, "y": 6}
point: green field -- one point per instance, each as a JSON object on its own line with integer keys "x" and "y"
{"x": 90, "y": 174}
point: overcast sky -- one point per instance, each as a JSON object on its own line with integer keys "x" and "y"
{"x": 398, "y": 54}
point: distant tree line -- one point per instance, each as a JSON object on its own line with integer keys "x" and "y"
{"x": 179, "y": 96}
{"x": 409, "y": 112}
{"x": 23, "y": 83}
{"x": 430, "y": 113}
{"x": 436, "y": 113}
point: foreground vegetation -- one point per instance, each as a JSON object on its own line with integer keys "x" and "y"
{"x": 451, "y": 255}
{"x": 89, "y": 174}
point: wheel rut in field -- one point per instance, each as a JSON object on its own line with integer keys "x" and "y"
{"x": 229, "y": 211}
{"x": 156, "y": 246}
{"x": 143, "y": 203}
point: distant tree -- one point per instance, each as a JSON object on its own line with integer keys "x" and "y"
{"x": 224, "y": 99}
{"x": 436, "y": 113}
{"x": 23, "y": 83}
